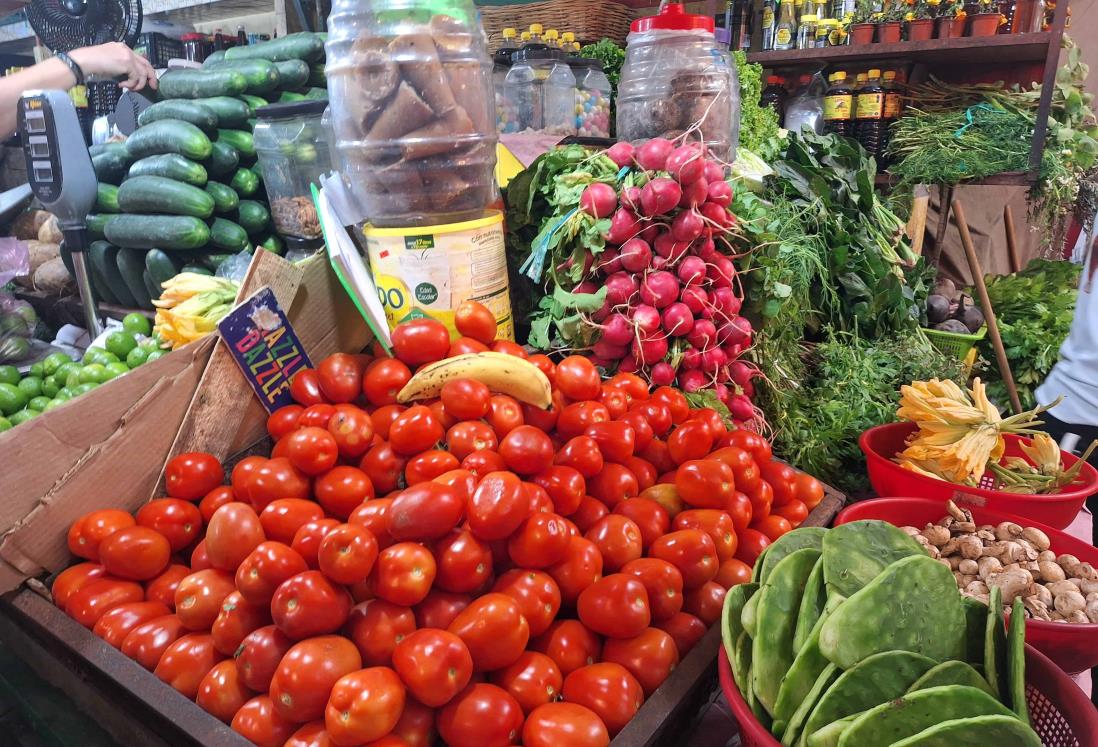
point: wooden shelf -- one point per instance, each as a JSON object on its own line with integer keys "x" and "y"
{"x": 1000, "y": 50}
{"x": 1005, "y": 179}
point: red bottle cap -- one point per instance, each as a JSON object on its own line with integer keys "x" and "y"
{"x": 673, "y": 17}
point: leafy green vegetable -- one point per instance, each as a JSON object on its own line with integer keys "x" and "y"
{"x": 758, "y": 124}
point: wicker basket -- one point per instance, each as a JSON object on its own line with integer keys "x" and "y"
{"x": 589, "y": 20}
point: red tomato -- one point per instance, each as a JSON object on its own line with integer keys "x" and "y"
{"x": 577, "y": 417}
{"x": 284, "y": 420}
{"x": 282, "y": 518}
{"x": 416, "y": 725}
{"x": 662, "y": 581}
{"x": 536, "y": 594}
{"x": 466, "y": 399}
{"x": 464, "y": 562}
{"x": 739, "y": 508}
{"x": 340, "y": 377}
{"x": 761, "y": 499}
{"x": 658, "y": 455}
{"x": 692, "y": 552}
{"x": 526, "y": 450}
{"x": 364, "y": 706}
{"x": 712, "y": 418}
{"x": 794, "y": 512}
{"x": 609, "y": 690}
{"x": 733, "y": 572}
{"x": 685, "y": 629}
{"x": 533, "y": 680}
{"x": 186, "y": 661}
{"x": 705, "y": 602}
{"x": 772, "y": 526}
{"x": 347, "y": 553}
{"x": 73, "y": 578}
{"x": 439, "y": 608}
{"x": 178, "y": 521}
{"x": 649, "y": 516}
{"x": 569, "y": 644}
{"x": 613, "y": 485}
{"x": 405, "y": 572}
{"x": 483, "y": 462}
{"x": 305, "y": 676}
{"x": 582, "y": 454}
{"x": 507, "y": 348}
{"x": 191, "y": 475}
{"x": 374, "y": 515}
{"x": 429, "y": 465}
{"x": 243, "y": 474}
{"x": 705, "y": 483}
{"x": 162, "y": 588}
{"x": 200, "y": 559}
{"x": 435, "y": 665}
{"x": 474, "y": 319}
{"x": 751, "y": 441}
{"x": 615, "y": 400}
{"x": 649, "y": 657}
{"x": 540, "y": 502}
{"x": 135, "y": 553}
{"x": 615, "y": 606}
{"x": 504, "y": 415}
{"x": 481, "y": 715}
{"x": 313, "y": 450}
{"x": 642, "y": 470}
{"x": 422, "y": 340}
{"x": 540, "y": 541}
{"x": 147, "y": 642}
{"x": 544, "y": 420}
{"x": 494, "y": 631}
{"x": 642, "y": 431}
{"x": 717, "y": 524}
{"x": 384, "y": 380}
{"x": 615, "y": 439}
{"x": 425, "y": 511}
{"x": 467, "y": 437}
{"x": 307, "y": 539}
{"x": 353, "y": 430}
{"x": 808, "y": 490}
{"x": 691, "y": 440}
{"x": 383, "y": 418}
{"x": 565, "y": 486}
{"x": 119, "y": 622}
{"x": 305, "y": 387}
{"x": 675, "y": 401}
{"x": 545, "y": 364}
{"x": 740, "y": 460}
{"x": 752, "y": 543}
{"x": 415, "y": 430}
{"x": 309, "y": 605}
{"x": 313, "y": 734}
{"x": 199, "y": 596}
{"x": 315, "y": 416}
{"x": 342, "y": 489}
{"x": 258, "y": 722}
{"x": 589, "y": 513}
{"x": 656, "y": 413}
{"x": 87, "y": 532}
{"x": 782, "y": 479}
{"x": 578, "y": 379}
{"x": 217, "y": 498}
{"x": 221, "y": 693}
{"x": 498, "y": 506}
{"x": 581, "y": 567}
{"x": 462, "y": 480}
{"x": 384, "y": 467}
{"x": 564, "y": 725}
{"x": 376, "y": 627}
{"x": 618, "y": 539}
{"x": 463, "y": 345}
{"x": 274, "y": 479}
{"x": 259, "y": 655}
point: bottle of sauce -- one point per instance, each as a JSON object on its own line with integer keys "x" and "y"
{"x": 220, "y": 42}
{"x": 806, "y": 32}
{"x": 785, "y": 31}
{"x": 241, "y": 36}
{"x": 869, "y": 113}
{"x": 769, "y": 21}
{"x": 859, "y": 81}
{"x": 536, "y": 32}
{"x": 774, "y": 95}
{"x": 893, "y": 105}
{"x": 838, "y": 104}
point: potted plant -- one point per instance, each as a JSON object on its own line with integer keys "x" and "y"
{"x": 986, "y": 21}
{"x": 949, "y": 17}
{"x": 890, "y": 23}
{"x": 918, "y": 20}
{"x": 861, "y": 24}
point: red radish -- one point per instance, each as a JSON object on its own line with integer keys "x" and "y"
{"x": 652, "y": 232}
{"x": 694, "y": 297}
{"x": 692, "y": 270}
{"x": 703, "y": 335}
{"x": 741, "y": 407}
{"x": 646, "y": 318}
{"x": 635, "y": 255}
{"x": 652, "y": 156}
{"x": 608, "y": 262}
{"x": 621, "y": 154}
{"x": 649, "y": 350}
{"x": 748, "y": 389}
{"x": 692, "y": 380}
{"x": 631, "y": 198}
{"x": 721, "y": 271}
{"x": 687, "y": 226}
{"x": 737, "y": 331}
{"x": 740, "y": 373}
{"x": 620, "y": 287}
{"x": 732, "y": 350}
{"x": 603, "y": 349}
{"x": 659, "y": 289}
{"x": 717, "y": 214}
{"x": 714, "y": 172}
{"x": 601, "y": 313}
{"x": 713, "y": 359}
{"x": 660, "y": 263}
{"x": 685, "y": 164}
{"x": 662, "y": 374}
{"x": 668, "y": 248}
{"x": 720, "y": 193}
{"x": 617, "y": 329}
{"x": 628, "y": 365}
{"x": 603, "y": 363}
{"x": 723, "y": 393}
{"x": 694, "y": 193}
{"x": 624, "y": 225}
{"x": 691, "y": 359}
{"x": 705, "y": 249}
{"x": 660, "y": 196}
{"x": 678, "y": 320}
{"x": 725, "y": 303}
{"x": 587, "y": 286}
{"x": 599, "y": 200}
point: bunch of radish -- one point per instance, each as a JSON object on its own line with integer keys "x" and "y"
{"x": 672, "y": 303}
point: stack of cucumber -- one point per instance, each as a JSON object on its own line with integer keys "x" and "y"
{"x": 184, "y": 192}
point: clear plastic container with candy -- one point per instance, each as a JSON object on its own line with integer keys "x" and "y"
{"x": 593, "y": 94}
{"x": 541, "y": 90}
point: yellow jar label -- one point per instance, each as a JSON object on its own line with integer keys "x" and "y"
{"x": 892, "y": 106}
{"x": 784, "y": 36}
{"x": 870, "y": 106}
{"x": 768, "y": 18}
{"x": 838, "y": 106}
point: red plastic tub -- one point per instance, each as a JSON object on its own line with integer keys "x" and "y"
{"x": 1059, "y": 711}
{"x": 889, "y": 479}
{"x": 1073, "y": 647}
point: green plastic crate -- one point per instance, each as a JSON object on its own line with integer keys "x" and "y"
{"x": 954, "y": 343}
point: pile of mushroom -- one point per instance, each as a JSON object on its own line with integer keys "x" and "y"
{"x": 1018, "y": 560}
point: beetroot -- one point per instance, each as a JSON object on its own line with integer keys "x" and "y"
{"x": 662, "y": 374}
{"x": 738, "y": 331}
{"x": 635, "y": 255}
{"x": 692, "y": 270}
{"x": 686, "y": 163}
{"x": 646, "y": 318}
{"x": 706, "y": 248}
{"x": 723, "y": 393}
{"x": 652, "y": 232}
{"x": 660, "y": 263}
{"x": 659, "y": 289}
{"x": 692, "y": 380}
{"x": 660, "y": 196}
{"x": 649, "y": 350}
{"x": 621, "y": 154}
{"x": 694, "y": 297}
{"x": 587, "y": 286}
{"x": 600, "y": 314}
{"x": 599, "y": 200}
{"x": 652, "y": 156}
{"x": 687, "y": 226}
{"x": 719, "y": 193}
{"x": 624, "y": 225}
{"x": 628, "y": 364}
{"x": 620, "y": 287}
{"x": 725, "y": 303}
{"x": 694, "y": 193}
{"x": 712, "y": 359}
{"x": 678, "y": 320}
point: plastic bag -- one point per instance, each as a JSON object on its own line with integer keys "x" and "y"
{"x": 235, "y": 267}
{"x": 18, "y": 319}
{"x": 805, "y": 108}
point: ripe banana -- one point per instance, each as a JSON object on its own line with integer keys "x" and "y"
{"x": 502, "y": 373}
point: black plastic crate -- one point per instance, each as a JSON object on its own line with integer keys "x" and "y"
{"x": 158, "y": 49}
{"x": 103, "y": 97}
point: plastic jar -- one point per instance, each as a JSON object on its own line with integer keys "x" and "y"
{"x": 675, "y": 76}
{"x": 593, "y": 93}
{"x": 410, "y": 83}
{"x": 292, "y": 146}
{"x": 541, "y": 89}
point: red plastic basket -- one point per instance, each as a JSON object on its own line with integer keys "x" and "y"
{"x": 889, "y": 479}
{"x": 1073, "y": 647}
{"x": 1059, "y": 711}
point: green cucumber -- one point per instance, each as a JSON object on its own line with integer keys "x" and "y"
{"x": 169, "y": 136}
{"x": 151, "y": 286}
{"x": 157, "y": 194}
{"x": 170, "y": 166}
{"x": 110, "y": 166}
{"x": 258, "y": 173}
{"x": 245, "y": 182}
{"x": 253, "y": 216}
{"x": 253, "y": 102}
{"x": 317, "y": 94}
{"x": 213, "y": 58}
{"x": 242, "y": 141}
{"x": 224, "y": 234}
{"x": 161, "y": 266}
{"x": 252, "y": 122}
{"x": 104, "y": 258}
{"x": 261, "y": 75}
{"x": 230, "y": 111}
{"x": 196, "y": 270}
{"x": 295, "y": 73}
{"x": 99, "y": 282}
{"x": 224, "y": 159}
{"x": 157, "y": 231}
{"x": 96, "y": 223}
{"x": 225, "y": 198}
{"x": 114, "y": 146}
{"x": 214, "y": 260}
{"x": 303, "y": 45}
{"x": 289, "y": 97}
{"x": 131, "y": 266}
{"x": 316, "y": 75}
{"x": 195, "y": 112}
{"x": 106, "y": 198}
{"x": 200, "y": 84}
{"x": 272, "y": 242}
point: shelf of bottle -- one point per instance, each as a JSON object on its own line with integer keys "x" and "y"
{"x": 1005, "y": 179}
{"x": 1003, "y": 49}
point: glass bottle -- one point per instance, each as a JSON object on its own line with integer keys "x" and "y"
{"x": 785, "y": 31}
{"x": 742, "y": 27}
{"x": 837, "y": 106}
{"x": 893, "y": 105}
{"x": 806, "y": 32}
{"x": 869, "y": 113}
{"x": 241, "y": 36}
{"x": 768, "y": 23}
{"x": 774, "y": 95}
{"x": 823, "y": 29}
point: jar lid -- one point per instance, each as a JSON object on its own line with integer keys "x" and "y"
{"x": 292, "y": 109}
{"x": 808, "y": 18}
{"x": 673, "y": 17}
{"x": 874, "y": 73}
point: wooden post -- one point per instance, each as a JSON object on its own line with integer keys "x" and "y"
{"x": 985, "y": 306}
{"x": 916, "y": 224}
{"x": 1048, "y": 84}
{"x": 1011, "y": 239}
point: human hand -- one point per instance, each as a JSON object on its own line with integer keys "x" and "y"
{"x": 114, "y": 60}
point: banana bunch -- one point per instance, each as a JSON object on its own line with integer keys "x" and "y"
{"x": 504, "y": 374}
{"x": 191, "y": 306}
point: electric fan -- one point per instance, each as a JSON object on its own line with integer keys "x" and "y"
{"x": 64, "y": 25}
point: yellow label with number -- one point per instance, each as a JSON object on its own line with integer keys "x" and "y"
{"x": 870, "y": 106}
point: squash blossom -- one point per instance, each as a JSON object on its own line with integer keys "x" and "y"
{"x": 191, "y": 306}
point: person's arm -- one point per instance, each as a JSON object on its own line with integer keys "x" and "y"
{"x": 111, "y": 60}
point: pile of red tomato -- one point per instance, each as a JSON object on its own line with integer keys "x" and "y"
{"x": 471, "y": 568}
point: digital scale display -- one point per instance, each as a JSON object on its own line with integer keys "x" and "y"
{"x": 43, "y": 164}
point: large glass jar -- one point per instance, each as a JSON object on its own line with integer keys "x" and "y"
{"x": 540, "y": 90}
{"x": 593, "y": 93}
{"x": 410, "y": 84}
{"x": 675, "y": 78}
{"x": 292, "y": 147}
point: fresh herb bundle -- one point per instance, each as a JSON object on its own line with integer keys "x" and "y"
{"x": 758, "y": 124}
